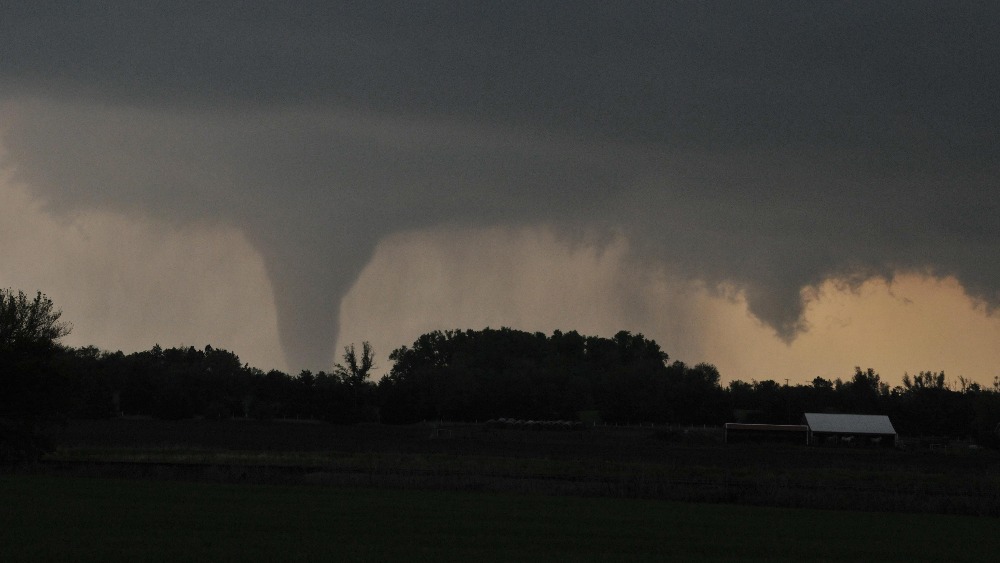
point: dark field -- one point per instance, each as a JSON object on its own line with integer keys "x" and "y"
{"x": 646, "y": 463}
{"x": 47, "y": 518}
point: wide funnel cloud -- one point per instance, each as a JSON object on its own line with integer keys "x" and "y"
{"x": 314, "y": 190}
{"x": 762, "y": 148}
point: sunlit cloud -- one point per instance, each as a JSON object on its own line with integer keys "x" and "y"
{"x": 531, "y": 279}
{"x": 129, "y": 282}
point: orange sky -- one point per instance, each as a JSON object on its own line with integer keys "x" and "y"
{"x": 530, "y": 279}
{"x": 128, "y": 283}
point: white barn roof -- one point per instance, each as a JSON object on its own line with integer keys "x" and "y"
{"x": 849, "y": 423}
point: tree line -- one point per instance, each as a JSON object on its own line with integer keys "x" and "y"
{"x": 455, "y": 375}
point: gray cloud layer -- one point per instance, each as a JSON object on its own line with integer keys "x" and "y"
{"x": 770, "y": 146}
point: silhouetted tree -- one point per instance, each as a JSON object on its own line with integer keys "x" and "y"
{"x": 27, "y": 325}
{"x": 33, "y": 393}
{"x": 477, "y": 375}
{"x": 355, "y": 371}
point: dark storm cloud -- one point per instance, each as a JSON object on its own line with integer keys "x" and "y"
{"x": 683, "y": 71}
{"x": 766, "y": 145}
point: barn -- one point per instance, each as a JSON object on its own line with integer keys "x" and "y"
{"x": 850, "y": 429}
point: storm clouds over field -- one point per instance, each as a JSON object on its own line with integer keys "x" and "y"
{"x": 268, "y": 173}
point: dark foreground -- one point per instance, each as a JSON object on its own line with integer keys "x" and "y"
{"x": 47, "y": 518}
{"x": 642, "y": 463}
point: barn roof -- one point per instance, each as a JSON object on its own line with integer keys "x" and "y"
{"x": 849, "y": 423}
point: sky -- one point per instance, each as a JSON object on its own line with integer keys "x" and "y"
{"x": 783, "y": 189}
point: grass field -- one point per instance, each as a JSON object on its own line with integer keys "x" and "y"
{"x": 46, "y": 518}
{"x": 614, "y": 462}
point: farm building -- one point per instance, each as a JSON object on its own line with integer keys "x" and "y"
{"x": 737, "y": 432}
{"x": 850, "y": 429}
